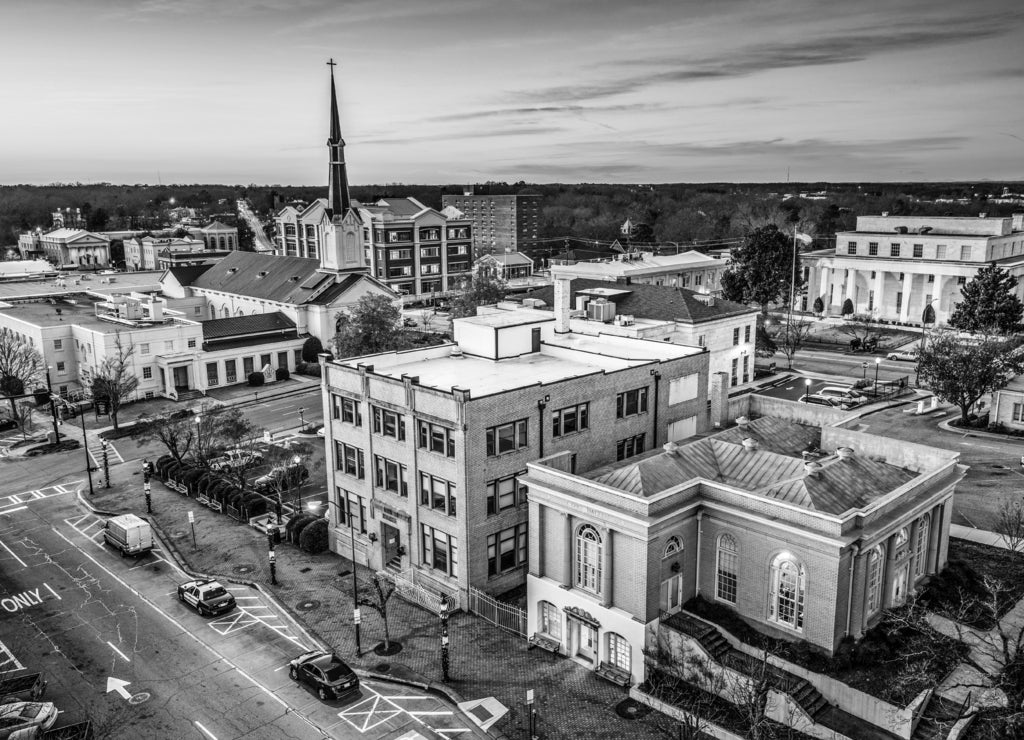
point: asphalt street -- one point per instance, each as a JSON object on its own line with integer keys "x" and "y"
{"x": 118, "y": 647}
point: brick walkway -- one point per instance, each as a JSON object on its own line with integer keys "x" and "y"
{"x": 485, "y": 661}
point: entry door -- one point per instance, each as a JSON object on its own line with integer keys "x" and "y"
{"x": 181, "y": 378}
{"x": 587, "y": 646}
{"x": 391, "y": 542}
{"x": 672, "y": 594}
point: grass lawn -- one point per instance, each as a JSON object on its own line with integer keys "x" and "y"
{"x": 970, "y": 563}
{"x": 888, "y": 337}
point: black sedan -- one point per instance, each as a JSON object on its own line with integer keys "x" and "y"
{"x": 326, "y": 673}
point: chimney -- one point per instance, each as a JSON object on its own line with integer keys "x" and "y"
{"x": 844, "y": 453}
{"x": 563, "y": 298}
{"x": 156, "y": 310}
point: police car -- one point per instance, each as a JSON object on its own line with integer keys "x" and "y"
{"x": 206, "y": 597}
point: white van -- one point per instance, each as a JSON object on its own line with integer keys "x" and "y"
{"x": 128, "y": 533}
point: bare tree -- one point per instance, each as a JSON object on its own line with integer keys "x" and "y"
{"x": 115, "y": 381}
{"x": 383, "y": 590}
{"x": 789, "y": 338}
{"x": 1010, "y": 524}
{"x": 861, "y": 333}
{"x": 21, "y": 366}
{"x": 688, "y": 682}
{"x": 177, "y": 434}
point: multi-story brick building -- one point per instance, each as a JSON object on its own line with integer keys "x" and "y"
{"x": 427, "y": 447}
{"x": 891, "y": 267}
{"x": 501, "y": 223}
{"x": 808, "y": 532}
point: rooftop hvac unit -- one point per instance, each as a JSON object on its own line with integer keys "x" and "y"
{"x": 601, "y": 310}
{"x": 625, "y": 320}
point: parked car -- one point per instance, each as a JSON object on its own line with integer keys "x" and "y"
{"x": 847, "y": 395}
{"x": 835, "y": 403}
{"x": 409, "y": 322}
{"x": 233, "y": 459}
{"x": 206, "y": 597}
{"x": 8, "y": 424}
{"x": 325, "y": 673}
{"x": 26, "y": 719}
{"x": 129, "y": 534}
{"x": 286, "y": 476}
{"x": 905, "y": 355}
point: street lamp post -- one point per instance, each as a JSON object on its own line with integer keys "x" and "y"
{"x": 85, "y": 446}
{"x": 53, "y": 405}
{"x": 446, "y": 608}
{"x": 807, "y": 389}
{"x": 355, "y": 583}
{"x": 878, "y": 361}
{"x": 302, "y": 419}
{"x": 864, "y": 367}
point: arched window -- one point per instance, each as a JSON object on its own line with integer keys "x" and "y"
{"x": 786, "y": 600}
{"x": 672, "y": 547}
{"x": 588, "y": 558}
{"x": 921, "y": 549}
{"x": 875, "y": 559}
{"x": 549, "y": 620}
{"x": 619, "y": 652}
{"x": 901, "y": 537}
{"x": 726, "y": 579}
{"x": 227, "y": 312}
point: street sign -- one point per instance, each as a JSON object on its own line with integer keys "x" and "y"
{"x": 191, "y": 518}
{"x": 529, "y": 696}
{"x": 356, "y": 616}
{"x": 272, "y": 556}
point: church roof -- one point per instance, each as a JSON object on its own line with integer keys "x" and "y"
{"x": 772, "y": 468}
{"x": 217, "y": 226}
{"x": 186, "y": 275}
{"x": 659, "y": 302}
{"x": 260, "y": 323}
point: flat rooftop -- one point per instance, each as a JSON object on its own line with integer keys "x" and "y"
{"x": 564, "y": 357}
{"x": 81, "y": 313}
{"x": 77, "y": 282}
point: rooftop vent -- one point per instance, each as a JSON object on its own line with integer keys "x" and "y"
{"x": 902, "y": 229}
{"x": 811, "y": 469}
{"x": 263, "y": 273}
{"x": 742, "y": 421}
{"x": 844, "y": 453}
{"x": 456, "y": 353}
{"x": 750, "y": 443}
{"x": 232, "y": 270}
{"x": 884, "y": 214}
{"x": 924, "y": 229}
{"x": 670, "y": 447}
{"x": 706, "y": 299}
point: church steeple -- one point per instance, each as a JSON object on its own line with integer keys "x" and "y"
{"x": 337, "y": 199}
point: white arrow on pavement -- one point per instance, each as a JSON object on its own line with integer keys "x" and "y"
{"x": 116, "y": 684}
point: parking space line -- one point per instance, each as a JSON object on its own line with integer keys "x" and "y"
{"x": 4, "y": 545}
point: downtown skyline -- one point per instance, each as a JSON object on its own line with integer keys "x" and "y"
{"x": 468, "y": 91}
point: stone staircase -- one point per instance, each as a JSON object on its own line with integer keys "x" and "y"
{"x": 937, "y": 719}
{"x": 186, "y": 396}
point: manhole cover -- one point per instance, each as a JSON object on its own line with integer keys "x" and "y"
{"x": 139, "y": 698}
{"x": 309, "y": 605}
{"x": 246, "y": 568}
{"x": 382, "y": 668}
{"x": 630, "y": 709}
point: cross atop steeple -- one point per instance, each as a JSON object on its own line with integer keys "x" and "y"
{"x": 337, "y": 178}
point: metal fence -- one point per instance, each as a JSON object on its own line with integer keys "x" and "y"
{"x": 507, "y": 616}
{"x": 406, "y": 586}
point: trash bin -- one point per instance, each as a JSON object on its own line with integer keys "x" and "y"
{"x": 277, "y": 535}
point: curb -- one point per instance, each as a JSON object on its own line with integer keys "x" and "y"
{"x": 86, "y": 503}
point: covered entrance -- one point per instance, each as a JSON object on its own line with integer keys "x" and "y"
{"x": 180, "y": 375}
{"x": 583, "y": 629}
{"x": 392, "y": 545}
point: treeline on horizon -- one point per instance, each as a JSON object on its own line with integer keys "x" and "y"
{"x": 681, "y": 212}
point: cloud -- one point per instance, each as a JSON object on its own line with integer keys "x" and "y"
{"x": 455, "y": 136}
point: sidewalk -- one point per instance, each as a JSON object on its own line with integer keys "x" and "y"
{"x": 317, "y": 590}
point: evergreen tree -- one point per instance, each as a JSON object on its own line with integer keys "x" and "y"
{"x": 373, "y": 326}
{"x": 990, "y": 304}
{"x": 762, "y": 269}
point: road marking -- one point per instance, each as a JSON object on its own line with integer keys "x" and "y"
{"x": 21, "y": 601}
{"x": 11, "y": 511}
{"x": 118, "y": 685}
{"x": 12, "y": 554}
{"x": 25, "y": 497}
{"x": 8, "y": 662}
{"x": 208, "y": 733}
{"x": 114, "y": 648}
{"x": 50, "y": 589}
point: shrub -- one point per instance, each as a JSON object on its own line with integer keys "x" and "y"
{"x": 161, "y": 463}
{"x": 862, "y": 383}
{"x": 236, "y": 498}
{"x": 282, "y": 373}
{"x": 819, "y": 305}
{"x": 313, "y": 538}
{"x": 847, "y": 307}
{"x": 256, "y": 379}
{"x": 308, "y": 368}
{"x": 310, "y": 349}
{"x": 295, "y": 526}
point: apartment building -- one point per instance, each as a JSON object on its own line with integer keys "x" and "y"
{"x": 807, "y": 532}
{"x": 891, "y": 267}
{"x": 427, "y": 448}
{"x": 501, "y": 223}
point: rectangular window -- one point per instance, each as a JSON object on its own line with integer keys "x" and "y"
{"x": 169, "y": 346}
{"x": 212, "y": 374}
{"x": 570, "y": 420}
{"x": 851, "y": 247}
{"x": 347, "y": 410}
{"x": 701, "y": 341}
{"x": 198, "y": 311}
{"x": 961, "y": 280}
{"x": 230, "y": 371}
{"x": 147, "y": 373}
{"x": 351, "y": 511}
{"x": 631, "y": 403}
{"x": 458, "y": 232}
{"x": 630, "y": 446}
{"x": 894, "y": 250}
{"x": 940, "y": 252}
{"x": 435, "y": 438}
{"x": 437, "y": 493}
{"x": 388, "y": 423}
{"x": 439, "y": 550}
{"x": 61, "y": 368}
{"x": 965, "y": 252}
{"x": 144, "y": 348}
{"x": 506, "y": 438}
{"x": 390, "y": 475}
{"x": 682, "y": 389}
{"x": 746, "y": 368}
{"x": 191, "y": 343}
{"x": 432, "y": 234}
{"x": 433, "y": 268}
{"x": 1018, "y": 413}
{"x": 404, "y": 271}
{"x": 505, "y": 493}
{"x": 399, "y": 254}
{"x": 506, "y": 550}
{"x": 399, "y": 236}
{"x": 726, "y": 587}
{"x": 430, "y": 252}
{"x": 735, "y": 336}
{"x": 931, "y": 278}
{"x": 873, "y": 249}
{"x": 746, "y": 333}
{"x": 349, "y": 460}
{"x": 58, "y": 344}
{"x": 264, "y": 360}
{"x": 919, "y": 250}
{"x": 734, "y": 377}
{"x": 551, "y": 621}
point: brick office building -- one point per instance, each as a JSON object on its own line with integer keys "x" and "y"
{"x": 427, "y": 447}
{"x": 802, "y": 546}
{"x": 501, "y": 223}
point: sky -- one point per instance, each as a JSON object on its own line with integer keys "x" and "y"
{"x": 465, "y": 91}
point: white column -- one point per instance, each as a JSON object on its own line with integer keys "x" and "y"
{"x": 824, "y": 287}
{"x": 879, "y": 287}
{"x": 851, "y": 287}
{"x": 606, "y": 567}
{"x": 908, "y": 281}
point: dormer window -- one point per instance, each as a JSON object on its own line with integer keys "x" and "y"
{"x": 263, "y": 273}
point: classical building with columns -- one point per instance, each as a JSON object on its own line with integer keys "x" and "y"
{"x": 808, "y": 532}
{"x": 891, "y": 267}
